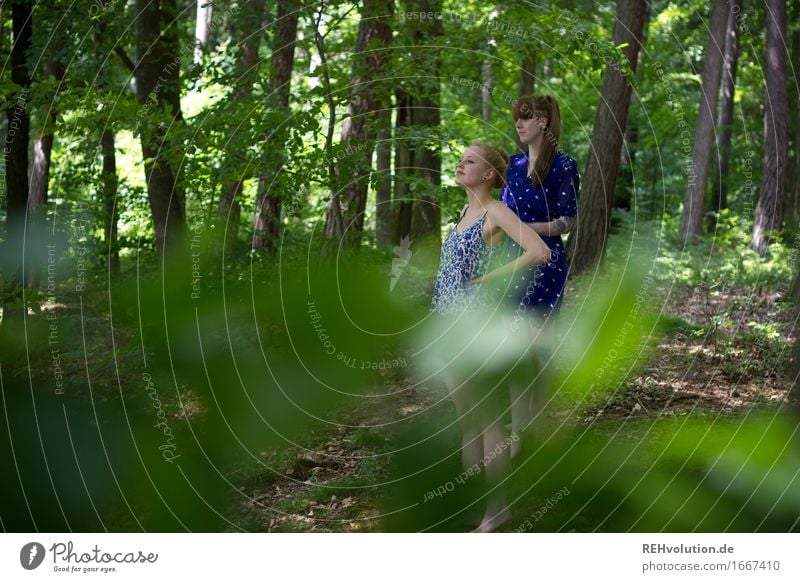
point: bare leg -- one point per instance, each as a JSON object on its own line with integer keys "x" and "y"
{"x": 528, "y": 397}
{"x": 496, "y": 456}
{"x": 471, "y": 441}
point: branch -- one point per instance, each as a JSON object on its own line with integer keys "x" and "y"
{"x": 126, "y": 60}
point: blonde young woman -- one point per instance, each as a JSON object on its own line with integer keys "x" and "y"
{"x": 464, "y": 273}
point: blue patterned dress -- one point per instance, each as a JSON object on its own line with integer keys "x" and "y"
{"x": 465, "y": 256}
{"x": 541, "y": 289}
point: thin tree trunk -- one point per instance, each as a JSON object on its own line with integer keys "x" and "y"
{"x": 527, "y": 78}
{"x": 383, "y": 166}
{"x": 527, "y": 81}
{"x": 158, "y": 88}
{"x": 39, "y": 184}
{"x": 366, "y": 97}
{"x": 229, "y": 208}
{"x": 16, "y": 159}
{"x": 587, "y": 243}
{"x": 694, "y": 199}
{"x": 622, "y": 194}
{"x": 205, "y": 10}
{"x": 110, "y": 182}
{"x": 266, "y": 222}
{"x": 403, "y": 164}
{"x": 425, "y": 115}
{"x": 725, "y": 117}
{"x": 487, "y": 86}
{"x": 793, "y": 168}
{"x": 769, "y": 212}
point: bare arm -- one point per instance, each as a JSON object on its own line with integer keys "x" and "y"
{"x": 557, "y": 227}
{"x": 535, "y": 251}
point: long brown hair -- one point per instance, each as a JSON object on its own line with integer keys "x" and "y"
{"x": 529, "y": 106}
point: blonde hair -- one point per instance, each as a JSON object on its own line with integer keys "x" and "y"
{"x": 496, "y": 158}
{"x": 529, "y": 106}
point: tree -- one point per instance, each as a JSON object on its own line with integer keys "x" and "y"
{"x": 587, "y": 242}
{"x": 202, "y": 23}
{"x": 725, "y": 117}
{"x": 769, "y": 212}
{"x": 527, "y": 77}
{"x": 426, "y": 116}
{"x": 367, "y": 96}
{"x": 228, "y": 211}
{"x": 694, "y": 199}
{"x": 16, "y": 154}
{"x": 109, "y": 184}
{"x": 266, "y": 222}
{"x": 383, "y": 168}
{"x": 403, "y": 165}
{"x": 158, "y": 94}
{"x": 793, "y": 169}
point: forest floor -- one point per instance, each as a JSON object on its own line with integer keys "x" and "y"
{"x": 722, "y": 355}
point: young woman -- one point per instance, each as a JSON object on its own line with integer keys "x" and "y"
{"x": 541, "y": 187}
{"x": 464, "y": 275}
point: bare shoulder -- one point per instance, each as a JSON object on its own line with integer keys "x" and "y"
{"x": 497, "y": 211}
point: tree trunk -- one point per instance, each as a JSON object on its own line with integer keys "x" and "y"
{"x": 229, "y": 207}
{"x": 793, "y": 167}
{"x": 158, "y": 88}
{"x": 266, "y": 222}
{"x": 587, "y": 243}
{"x": 16, "y": 159}
{"x": 487, "y": 85}
{"x": 769, "y": 212}
{"x": 366, "y": 97}
{"x": 725, "y": 117}
{"x": 694, "y": 199}
{"x": 36, "y": 253}
{"x": 403, "y": 164}
{"x": 425, "y": 115}
{"x": 202, "y": 24}
{"x": 527, "y": 79}
{"x": 527, "y": 82}
{"x": 383, "y": 166}
{"x": 110, "y": 182}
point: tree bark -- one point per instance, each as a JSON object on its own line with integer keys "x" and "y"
{"x": 587, "y": 243}
{"x": 43, "y": 145}
{"x": 383, "y": 166}
{"x": 487, "y": 85}
{"x": 527, "y": 78}
{"x": 366, "y": 97}
{"x": 425, "y": 114}
{"x": 697, "y": 172}
{"x": 16, "y": 159}
{"x": 725, "y": 117}
{"x": 266, "y": 222}
{"x": 403, "y": 164}
{"x": 229, "y": 207}
{"x": 769, "y": 212}
{"x": 202, "y": 24}
{"x": 793, "y": 167}
{"x": 110, "y": 182}
{"x": 158, "y": 92}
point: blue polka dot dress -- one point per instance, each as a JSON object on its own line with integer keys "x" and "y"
{"x": 465, "y": 255}
{"x": 541, "y": 289}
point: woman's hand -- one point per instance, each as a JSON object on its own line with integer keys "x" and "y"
{"x": 535, "y": 251}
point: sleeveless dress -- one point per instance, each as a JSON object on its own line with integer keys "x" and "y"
{"x": 541, "y": 289}
{"x": 465, "y": 255}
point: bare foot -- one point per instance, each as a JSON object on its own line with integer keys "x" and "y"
{"x": 491, "y": 521}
